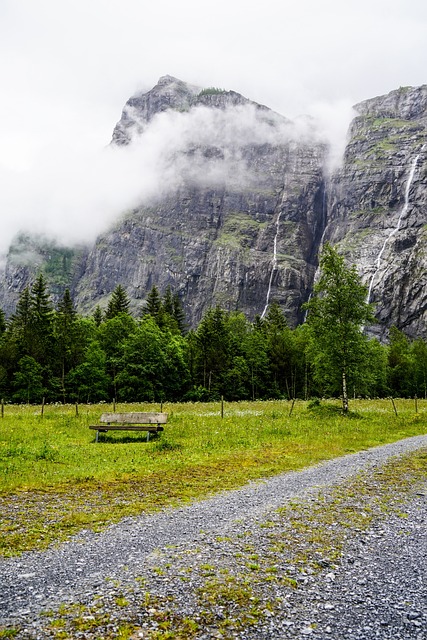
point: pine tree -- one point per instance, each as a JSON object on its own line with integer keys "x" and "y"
{"x": 21, "y": 317}
{"x": 97, "y": 315}
{"x": 66, "y": 307}
{"x": 280, "y": 352}
{"x": 171, "y": 315}
{"x": 153, "y": 305}
{"x": 275, "y": 321}
{"x": 65, "y": 335}
{"x": 41, "y": 321}
{"x": 118, "y": 303}
{"x": 41, "y": 304}
{"x": 178, "y": 314}
{"x": 19, "y": 328}
{"x": 168, "y": 301}
{"x": 255, "y": 349}
{"x": 213, "y": 338}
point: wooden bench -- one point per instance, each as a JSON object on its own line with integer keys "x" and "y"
{"x": 149, "y": 422}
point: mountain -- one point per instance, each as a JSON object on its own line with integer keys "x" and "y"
{"x": 377, "y": 210}
{"x": 245, "y": 200}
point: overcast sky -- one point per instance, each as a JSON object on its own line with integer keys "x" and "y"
{"x": 67, "y": 67}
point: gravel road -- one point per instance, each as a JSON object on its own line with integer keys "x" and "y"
{"x": 134, "y": 571}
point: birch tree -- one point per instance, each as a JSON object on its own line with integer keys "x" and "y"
{"x": 337, "y": 313}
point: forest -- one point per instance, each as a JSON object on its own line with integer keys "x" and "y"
{"x": 58, "y": 355}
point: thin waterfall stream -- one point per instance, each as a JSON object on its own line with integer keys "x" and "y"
{"x": 324, "y": 225}
{"x": 396, "y": 228}
{"x": 274, "y": 264}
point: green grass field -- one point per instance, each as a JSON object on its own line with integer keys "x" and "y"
{"x": 55, "y": 480}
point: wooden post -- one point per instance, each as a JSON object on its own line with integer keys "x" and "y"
{"x": 114, "y": 405}
{"x": 2, "y": 408}
{"x": 306, "y": 383}
{"x": 292, "y": 407}
{"x": 222, "y": 406}
{"x": 416, "y": 404}
{"x": 394, "y": 406}
{"x": 161, "y": 406}
{"x": 43, "y": 406}
{"x": 77, "y": 409}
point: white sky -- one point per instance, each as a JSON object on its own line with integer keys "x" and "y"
{"x": 67, "y": 67}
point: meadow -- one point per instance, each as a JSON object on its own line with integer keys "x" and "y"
{"x": 56, "y": 480}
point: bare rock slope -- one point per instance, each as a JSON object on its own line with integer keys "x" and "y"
{"x": 245, "y": 202}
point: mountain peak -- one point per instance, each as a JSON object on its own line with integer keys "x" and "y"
{"x": 175, "y": 94}
{"x": 407, "y": 103}
{"x": 168, "y": 93}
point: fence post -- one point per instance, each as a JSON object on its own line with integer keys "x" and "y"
{"x": 222, "y": 406}
{"x": 2, "y": 408}
{"x": 416, "y": 404}
{"x": 77, "y": 409}
{"x": 43, "y": 406}
{"x": 394, "y": 406}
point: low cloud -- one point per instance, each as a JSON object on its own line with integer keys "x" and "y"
{"x": 332, "y": 122}
{"x": 72, "y": 196}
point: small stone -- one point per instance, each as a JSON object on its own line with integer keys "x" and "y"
{"x": 413, "y": 615}
{"x": 324, "y": 563}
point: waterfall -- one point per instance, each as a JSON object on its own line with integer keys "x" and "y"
{"x": 306, "y": 311}
{"x": 396, "y": 228}
{"x": 324, "y": 218}
{"x": 324, "y": 224}
{"x": 274, "y": 264}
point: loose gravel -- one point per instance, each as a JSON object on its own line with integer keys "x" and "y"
{"x": 196, "y": 568}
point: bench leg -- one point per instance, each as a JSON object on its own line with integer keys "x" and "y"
{"x": 148, "y": 436}
{"x": 97, "y": 433}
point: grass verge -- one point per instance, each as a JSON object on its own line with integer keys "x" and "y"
{"x": 55, "y": 481}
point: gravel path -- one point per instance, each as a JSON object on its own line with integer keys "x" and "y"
{"x": 377, "y": 590}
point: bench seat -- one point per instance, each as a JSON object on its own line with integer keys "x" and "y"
{"x": 150, "y": 422}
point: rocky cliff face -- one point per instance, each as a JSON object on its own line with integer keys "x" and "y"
{"x": 246, "y": 234}
{"x": 247, "y": 205}
{"x": 377, "y": 211}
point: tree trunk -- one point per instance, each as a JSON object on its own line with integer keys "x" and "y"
{"x": 63, "y": 381}
{"x": 344, "y": 392}
{"x": 306, "y": 381}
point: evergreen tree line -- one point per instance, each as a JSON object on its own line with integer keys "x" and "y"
{"x": 62, "y": 356}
